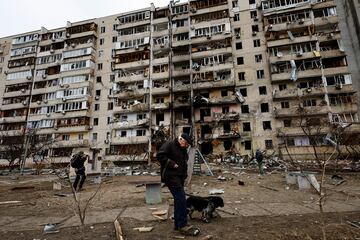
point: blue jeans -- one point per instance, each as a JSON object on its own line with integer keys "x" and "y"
{"x": 180, "y": 212}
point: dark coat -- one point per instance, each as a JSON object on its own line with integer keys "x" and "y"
{"x": 170, "y": 154}
{"x": 259, "y": 156}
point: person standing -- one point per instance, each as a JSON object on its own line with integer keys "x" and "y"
{"x": 173, "y": 158}
{"x": 77, "y": 162}
{"x": 259, "y": 159}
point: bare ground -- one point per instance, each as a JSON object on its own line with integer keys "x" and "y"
{"x": 264, "y": 208}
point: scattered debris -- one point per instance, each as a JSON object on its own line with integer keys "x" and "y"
{"x": 50, "y": 228}
{"x": 118, "y": 230}
{"x": 56, "y": 186}
{"x": 215, "y": 191}
{"x": 144, "y": 229}
{"x": 354, "y": 223}
{"x": 63, "y": 194}
{"x": 225, "y": 211}
{"x": 179, "y": 237}
{"x": 207, "y": 237}
{"x": 241, "y": 183}
{"x": 336, "y": 177}
{"x": 273, "y": 189}
{"x": 9, "y": 202}
{"x": 22, "y": 188}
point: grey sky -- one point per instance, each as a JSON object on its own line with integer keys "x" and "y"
{"x": 19, "y": 16}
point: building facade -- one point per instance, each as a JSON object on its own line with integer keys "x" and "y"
{"x": 233, "y": 74}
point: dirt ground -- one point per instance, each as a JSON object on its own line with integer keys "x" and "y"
{"x": 263, "y": 208}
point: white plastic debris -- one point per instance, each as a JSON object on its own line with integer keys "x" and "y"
{"x": 215, "y": 191}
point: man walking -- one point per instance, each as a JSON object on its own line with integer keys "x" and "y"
{"x": 259, "y": 158}
{"x": 173, "y": 159}
{"x": 77, "y": 162}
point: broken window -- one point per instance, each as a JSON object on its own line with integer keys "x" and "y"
{"x": 241, "y": 76}
{"x": 285, "y": 105}
{"x": 238, "y": 45}
{"x": 258, "y": 58}
{"x": 227, "y": 145}
{"x": 243, "y": 92}
{"x": 267, "y": 125}
{"x": 260, "y": 74}
{"x": 262, "y": 90}
{"x": 309, "y": 103}
{"x": 246, "y": 127}
{"x": 287, "y": 122}
{"x": 247, "y": 145}
{"x": 245, "y": 109}
{"x": 269, "y": 144}
{"x": 264, "y": 107}
{"x": 282, "y": 87}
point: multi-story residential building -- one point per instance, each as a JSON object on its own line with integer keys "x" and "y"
{"x": 230, "y": 73}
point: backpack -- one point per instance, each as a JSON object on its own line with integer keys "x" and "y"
{"x": 75, "y": 161}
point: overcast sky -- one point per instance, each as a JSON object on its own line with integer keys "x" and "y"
{"x": 19, "y": 16}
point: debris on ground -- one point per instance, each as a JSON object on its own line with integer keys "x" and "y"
{"x": 50, "y": 228}
{"x": 215, "y": 191}
{"x": 9, "y": 202}
{"x": 143, "y": 229}
{"x": 118, "y": 230}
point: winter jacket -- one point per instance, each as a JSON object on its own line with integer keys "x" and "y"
{"x": 170, "y": 154}
{"x": 259, "y": 156}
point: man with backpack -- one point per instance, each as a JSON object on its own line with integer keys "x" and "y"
{"x": 77, "y": 162}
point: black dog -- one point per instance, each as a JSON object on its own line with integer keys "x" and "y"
{"x": 205, "y": 205}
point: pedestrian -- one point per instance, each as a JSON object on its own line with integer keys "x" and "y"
{"x": 259, "y": 159}
{"x": 77, "y": 162}
{"x": 173, "y": 159}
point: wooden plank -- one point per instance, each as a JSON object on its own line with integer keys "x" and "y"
{"x": 119, "y": 233}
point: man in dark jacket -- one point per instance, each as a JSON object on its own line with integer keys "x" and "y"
{"x": 259, "y": 159}
{"x": 173, "y": 159}
{"x": 80, "y": 170}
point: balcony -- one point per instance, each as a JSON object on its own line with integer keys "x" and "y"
{"x": 130, "y": 124}
{"x": 222, "y": 100}
{"x": 301, "y": 74}
{"x": 212, "y": 52}
{"x": 332, "y": 53}
{"x": 139, "y": 107}
{"x": 136, "y": 64}
{"x": 330, "y": 20}
{"x": 336, "y": 71}
{"x": 341, "y": 89}
{"x": 129, "y": 140}
{"x": 181, "y": 72}
{"x": 160, "y": 90}
{"x": 230, "y": 116}
{"x": 294, "y": 111}
{"x": 10, "y": 133}
{"x": 288, "y": 26}
{"x": 160, "y": 106}
{"x": 72, "y": 143}
{"x": 12, "y": 119}
{"x": 297, "y": 131}
{"x": 295, "y": 93}
{"x": 213, "y": 84}
{"x": 344, "y": 108}
{"x": 131, "y": 93}
{"x": 293, "y": 56}
{"x": 70, "y": 129}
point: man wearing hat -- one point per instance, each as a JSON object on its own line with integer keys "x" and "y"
{"x": 173, "y": 159}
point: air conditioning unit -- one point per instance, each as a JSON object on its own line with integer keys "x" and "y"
{"x": 23, "y": 90}
{"x": 24, "y": 102}
{"x": 38, "y": 102}
{"x": 270, "y": 27}
{"x": 254, "y": 33}
{"x": 90, "y": 127}
{"x": 44, "y": 76}
{"x": 52, "y": 50}
{"x": 28, "y": 77}
{"x": 299, "y": 53}
{"x": 48, "y": 114}
{"x": 308, "y": 90}
{"x": 67, "y": 85}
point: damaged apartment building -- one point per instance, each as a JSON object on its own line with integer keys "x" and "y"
{"x": 230, "y": 73}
